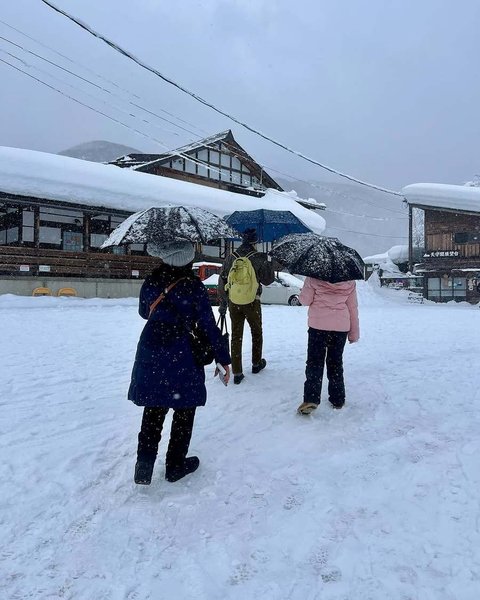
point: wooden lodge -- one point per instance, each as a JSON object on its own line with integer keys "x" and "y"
{"x": 450, "y": 221}
{"x": 55, "y": 212}
{"x": 216, "y": 161}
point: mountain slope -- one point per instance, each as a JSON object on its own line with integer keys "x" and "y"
{"x": 366, "y": 219}
{"x": 98, "y": 151}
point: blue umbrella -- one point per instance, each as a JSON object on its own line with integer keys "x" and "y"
{"x": 270, "y": 224}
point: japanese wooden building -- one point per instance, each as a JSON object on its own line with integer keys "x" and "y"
{"x": 217, "y": 161}
{"x": 449, "y": 219}
{"x": 56, "y": 212}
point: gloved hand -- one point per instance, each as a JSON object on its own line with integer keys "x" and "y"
{"x": 222, "y": 309}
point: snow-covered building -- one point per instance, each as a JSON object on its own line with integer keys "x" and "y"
{"x": 450, "y": 238}
{"x": 215, "y": 161}
{"x": 218, "y": 161}
{"x": 55, "y": 213}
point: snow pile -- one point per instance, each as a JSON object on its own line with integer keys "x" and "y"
{"x": 290, "y": 279}
{"x": 53, "y": 177}
{"x": 439, "y": 195}
{"x": 396, "y": 255}
{"x": 212, "y": 280}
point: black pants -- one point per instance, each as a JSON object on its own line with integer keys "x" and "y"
{"x": 325, "y": 347}
{"x": 151, "y": 433}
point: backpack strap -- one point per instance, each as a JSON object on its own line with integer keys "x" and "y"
{"x": 154, "y": 305}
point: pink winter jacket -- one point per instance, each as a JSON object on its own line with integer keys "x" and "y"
{"x": 332, "y": 306}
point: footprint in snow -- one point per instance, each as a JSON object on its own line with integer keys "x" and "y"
{"x": 242, "y": 573}
{"x": 293, "y": 501}
{"x": 331, "y": 575}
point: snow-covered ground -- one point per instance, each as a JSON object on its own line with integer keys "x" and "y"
{"x": 379, "y": 500}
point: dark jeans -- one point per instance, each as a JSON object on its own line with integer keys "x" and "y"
{"x": 325, "y": 347}
{"x": 151, "y": 432}
{"x": 253, "y": 314}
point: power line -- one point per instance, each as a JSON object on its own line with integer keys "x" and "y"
{"x": 323, "y": 188}
{"x": 101, "y": 77}
{"x": 109, "y": 104}
{"x": 115, "y": 120}
{"x": 85, "y": 105}
{"x": 398, "y": 237}
{"x": 197, "y": 161}
{"x": 26, "y": 50}
{"x": 198, "y": 98}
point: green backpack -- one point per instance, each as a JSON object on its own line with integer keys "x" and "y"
{"x": 242, "y": 284}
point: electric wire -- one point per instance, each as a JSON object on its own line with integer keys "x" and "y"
{"x": 210, "y": 105}
{"x": 85, "y": 105}
{"x": 102, "y": 77}
{"x": 95, "y": 85}
{"x": 100, "y": 112}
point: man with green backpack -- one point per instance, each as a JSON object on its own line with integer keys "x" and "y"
{"x": 240, "y": 286}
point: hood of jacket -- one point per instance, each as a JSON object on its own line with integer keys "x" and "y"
{"x": 331, "y": 295}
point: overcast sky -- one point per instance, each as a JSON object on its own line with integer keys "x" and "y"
{"x": 386, "y": 90}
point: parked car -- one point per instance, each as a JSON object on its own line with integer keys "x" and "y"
{"x": 284, "y": 290}
{"x": 205, "y": 269}
{"x": 211, "y": 283}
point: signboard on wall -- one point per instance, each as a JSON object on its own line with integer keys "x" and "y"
{"x": 24, "y": 268}
{"x": 44, "y": 268}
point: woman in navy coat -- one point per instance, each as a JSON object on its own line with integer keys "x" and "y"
{"x": 165, "y": 374}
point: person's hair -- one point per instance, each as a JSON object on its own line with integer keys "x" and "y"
{"x": 250, "y": 235}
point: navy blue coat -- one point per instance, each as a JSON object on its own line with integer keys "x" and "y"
{"x": 165, "y": 372}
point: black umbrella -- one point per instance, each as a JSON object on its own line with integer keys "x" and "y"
{"x": 170, "y": 224}
{"x": 317, "y": 256}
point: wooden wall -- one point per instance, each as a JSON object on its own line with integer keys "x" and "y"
{"x": 440, "y": 227}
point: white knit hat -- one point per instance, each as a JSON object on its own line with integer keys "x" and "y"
{"x": 175, "y": 254}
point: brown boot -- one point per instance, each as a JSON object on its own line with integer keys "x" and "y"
{"x": 306, "y": 408}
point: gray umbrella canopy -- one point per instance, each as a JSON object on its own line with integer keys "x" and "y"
{"x": 169, "y": 224}
{"x": 317, "y": 256}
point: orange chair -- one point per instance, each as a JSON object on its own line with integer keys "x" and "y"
{"x": 42, "y": 291}
{"x": 67, "y": 291}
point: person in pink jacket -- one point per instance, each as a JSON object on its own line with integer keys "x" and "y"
{"x": 332, "y": 318}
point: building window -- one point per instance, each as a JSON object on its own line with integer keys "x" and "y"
{"x": 203, "y": 171}
{"x": 214, "y": 157}
{"x": 465, "y": 237}
{"x": 61, "y": 215}
{"x": 28, "y": 229}
{"x": 225, "y": 160}
{"x": 72, "y": 241}
{"x": 97, "y": 239}
{"x": 28, "y": 234}
{"x": 12, "y": 235}
{"x": 202, "y": 155}
{"x": 444, "y": 289}
{"x": 190, "y": 166}
{"x": 178, "y": 164}
{"x": 137, "y": 248}
{"x": 50, "y": 235}
{"x": 225, "y": 174}
{"x": 236, "y": 178}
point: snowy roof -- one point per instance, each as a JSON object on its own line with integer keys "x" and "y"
{"x": 396, "y": 254}
{"x": 64, "y": 179}
{"x": 439, "y": 195}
